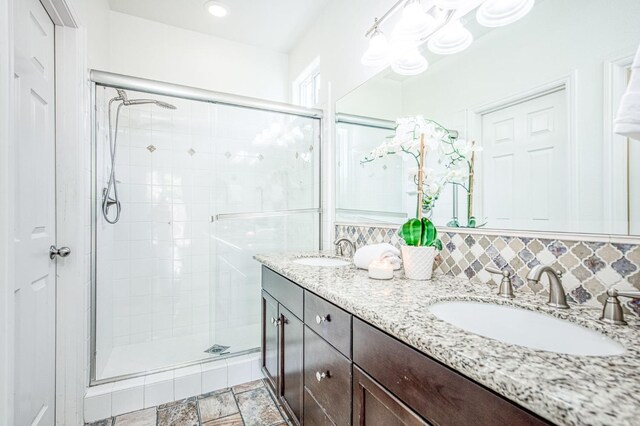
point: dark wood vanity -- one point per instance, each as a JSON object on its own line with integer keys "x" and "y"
{"x": 328, "y": 367}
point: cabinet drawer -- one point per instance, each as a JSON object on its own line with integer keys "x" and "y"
{"x": 314, "y": 415}
{"x": 329, "y": 321}
{"x": 333, "y": 391}
{"x": 439, "y": 394}
{"x": 284, "y": 291}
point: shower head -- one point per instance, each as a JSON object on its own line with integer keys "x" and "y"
{"x": 165, "y": 105}
{"x": 148, "y": 101}
{"x": 122, "y": 96}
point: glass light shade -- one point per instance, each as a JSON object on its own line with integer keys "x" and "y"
{"x": 452, "y": 4}
{"x": 415, "y": 23}
{"x": 377, "y": 52}
{"x": 497, "y": 13}
{"x": 409, "y": 62}
{"x": 451, "y": 39}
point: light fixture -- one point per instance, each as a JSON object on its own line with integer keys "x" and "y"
{"x": 409, "y": 62}
{"x": 451, "y": 39}
{"x": 378, "y": 50}
{"x": 217, "y": 9}
{"x": 438, "y": 26}
{"x": 497, "y": 13}
{"x": 415, "y": 23}
{"x": 452, "y": 4}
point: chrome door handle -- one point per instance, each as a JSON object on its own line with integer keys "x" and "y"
{"x": 62, "y": 252}
{"x": 320, "y": 376}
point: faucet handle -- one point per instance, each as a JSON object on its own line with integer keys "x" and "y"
{"x": 612, "y": 309}
{"x": 506, "y": 288}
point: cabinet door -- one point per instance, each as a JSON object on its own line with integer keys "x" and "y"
{"x": 373, "y": 405}
{"x": 270, "y": 338}
{"x": 291, "y": 370}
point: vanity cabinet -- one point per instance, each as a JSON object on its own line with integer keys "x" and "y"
{"x": 329, "y": 367}
{"x": 282, "y": 341}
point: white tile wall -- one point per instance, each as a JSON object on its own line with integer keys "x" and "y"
{"x": 124, "y": 396}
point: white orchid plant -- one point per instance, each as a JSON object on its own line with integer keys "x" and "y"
{"x": 453, "y": 158}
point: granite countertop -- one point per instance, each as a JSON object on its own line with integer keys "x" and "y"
{"x": 565, "y": 389}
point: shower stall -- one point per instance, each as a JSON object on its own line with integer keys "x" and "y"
{"x": 356, "y": 137}
{"x": 187, "y": 185}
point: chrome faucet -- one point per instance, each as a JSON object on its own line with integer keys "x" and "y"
{"x": 340, "y": 247}
{"x": 612, "y": 309}
{"x": 557, "y": 296}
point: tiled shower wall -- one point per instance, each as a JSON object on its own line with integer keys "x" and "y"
{"x": 168, "y": 275}
{"x": 589, "y": 268}
{"x": 153, "y": 265}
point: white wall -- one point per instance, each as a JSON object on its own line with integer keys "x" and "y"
{"x": 6, "y": 262}
{"x": 378, "y": 98}
{"x": 337, "y": 37}
{"x": 93, "y": 16}
{"x": 148, "y": 49}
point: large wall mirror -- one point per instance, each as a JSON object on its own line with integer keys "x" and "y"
{"x": 537, "y": 98}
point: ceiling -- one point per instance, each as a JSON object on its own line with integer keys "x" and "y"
{"x": 270, "y": 24}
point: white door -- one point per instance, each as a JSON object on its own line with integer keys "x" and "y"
{"x": 525, "y": 161}
{"x": 34, "y": 227}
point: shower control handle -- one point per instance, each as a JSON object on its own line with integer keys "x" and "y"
{"x": 62, "y": 252}
{"x": 320, "y": 376}
{"x": 321, "y": 319}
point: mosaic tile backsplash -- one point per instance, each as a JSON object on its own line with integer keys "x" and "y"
{"x": 588, "y": 268}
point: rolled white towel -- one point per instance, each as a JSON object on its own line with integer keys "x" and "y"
{"x": 627, "y": 122}
{"x": 367, "y": 254}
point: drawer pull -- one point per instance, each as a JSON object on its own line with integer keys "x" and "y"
{"x": 321, "y": 376}
{"x": 321, "y": 319}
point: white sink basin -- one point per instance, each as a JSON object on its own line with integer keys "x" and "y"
{"x": 321, "y": 261}
{"x": 525, "y": 328}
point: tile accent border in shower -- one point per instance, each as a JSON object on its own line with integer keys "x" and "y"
{"x": 125, "y": 396}
{"x": 589, "y": 267}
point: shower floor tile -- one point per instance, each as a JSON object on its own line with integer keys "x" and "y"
{"x": 163, "y": 353}
{"x": 243, "y": 405}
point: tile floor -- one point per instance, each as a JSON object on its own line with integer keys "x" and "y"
{"x": 250, "y": 404}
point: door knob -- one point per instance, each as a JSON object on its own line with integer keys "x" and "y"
{"x": 62, "y": 252}
{"x": 320, "y": 376}
{"x": 321, "y": 319}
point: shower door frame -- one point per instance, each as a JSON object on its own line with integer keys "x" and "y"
{"x": 120, "y": 81}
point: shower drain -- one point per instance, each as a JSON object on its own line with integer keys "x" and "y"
{"x": 217, "y": 349}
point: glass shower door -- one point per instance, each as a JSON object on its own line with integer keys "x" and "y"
{"x": 266, "y": 198}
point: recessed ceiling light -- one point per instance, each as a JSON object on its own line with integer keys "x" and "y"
{"x": 217, "y": 9}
